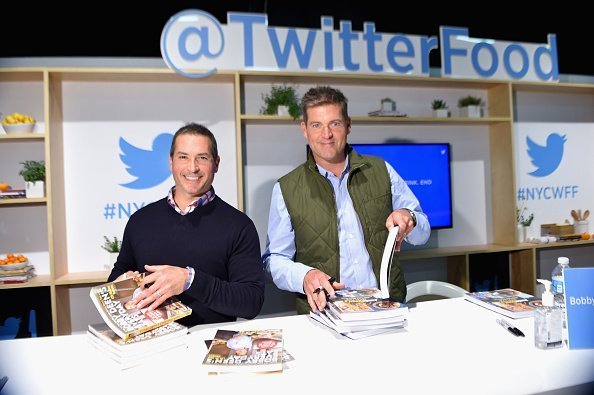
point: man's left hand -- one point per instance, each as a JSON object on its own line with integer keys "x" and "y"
{"x": 162, "y": 282}
{"x": 405, "y": 223}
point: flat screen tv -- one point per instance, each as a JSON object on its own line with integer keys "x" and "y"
{"x": 426, "y": 170}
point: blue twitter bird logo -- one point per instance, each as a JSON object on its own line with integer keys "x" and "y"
{"x": 149, "y": 167}
{"x": 547, "y": 158}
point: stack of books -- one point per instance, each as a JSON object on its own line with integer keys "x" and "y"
{"x": 246, "y": 351}
{"x": 508, "y": 302}
{"x": 13, "y": 194}
{"x": 16, "y": 276}
{"x": 137, "y": 350}
{"x": 368, "y": 311}
{"x": 131, "y": 336}
{"x": 361, "y": 313}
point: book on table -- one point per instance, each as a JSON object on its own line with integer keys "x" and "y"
{"x": 245, "y": 351}
{"x": 139, "y": 349}
{"x": 508, "y": 302}
{"x": 115, "y": 302}
{"x": 172, "y": 332}
{"x": 364, "y": 306}
{"x": 357, "y": 330}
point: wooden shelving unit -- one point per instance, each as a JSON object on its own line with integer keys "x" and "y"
{"x": 47, "y": 85}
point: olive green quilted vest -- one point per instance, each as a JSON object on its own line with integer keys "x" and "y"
{"x": 310, "y": 202}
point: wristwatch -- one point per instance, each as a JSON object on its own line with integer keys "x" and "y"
{"x": 412, "y": 215}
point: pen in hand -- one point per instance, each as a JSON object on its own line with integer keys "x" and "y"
{"x": 513, "y": 330}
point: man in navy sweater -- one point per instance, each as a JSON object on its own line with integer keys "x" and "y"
{"x": 193, "y": 244}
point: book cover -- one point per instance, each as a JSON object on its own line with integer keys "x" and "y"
{"x": 19, "y": 272}
{"x": 245, "y": 351}
{"x": 114, "y": 302}
{"x": 364, "y": 304}
{"x": 507, "y": 301}
{"x": 137, "y": 344}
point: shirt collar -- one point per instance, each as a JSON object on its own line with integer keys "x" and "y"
{"x": 327, "y": 173}
{"x": 200, "y": 202}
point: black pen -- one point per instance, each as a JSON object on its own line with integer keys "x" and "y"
{"x": 331, "y": 280}
{"x": 512, "y": 329}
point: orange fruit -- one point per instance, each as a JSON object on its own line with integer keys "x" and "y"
{"x": 3, "y": 186}
{"x": 585, "y": 236}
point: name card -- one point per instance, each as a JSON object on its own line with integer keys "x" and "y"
{"x": 579, "y": 301}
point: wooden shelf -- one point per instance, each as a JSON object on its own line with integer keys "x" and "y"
{"x": 22, "y": 201}
{"x": 496, "y": 131}
{"x": 22, "y": 136}
{"x": 82, "y": 278}
{"x": 263, "y": 119}
{"x": 43, "y": 280}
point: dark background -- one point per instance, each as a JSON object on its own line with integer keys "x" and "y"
{"x": 133, "y": 29}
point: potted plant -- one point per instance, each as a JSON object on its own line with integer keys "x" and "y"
{"x": 33, "y": 173}
{"x": 388, "y": 105}
{"x": 281, "y": 100}
{"x": 440, "y": 108}
{"x": 524, "y": 223}
{"x": 470, "y": 106}
{"x": 112, "y": 246}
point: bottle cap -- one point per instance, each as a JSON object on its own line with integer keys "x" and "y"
{"x": 563, "y": 260}
{"x": 547, "y": 295}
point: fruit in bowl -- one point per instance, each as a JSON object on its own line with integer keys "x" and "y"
{"x": 18, "y": 123}
{"x": 13, "y": 262}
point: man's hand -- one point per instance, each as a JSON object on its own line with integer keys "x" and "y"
{"x": 162, "y": 282}
{"x": 405, "y": 223}
{"x": 316, "y": 286}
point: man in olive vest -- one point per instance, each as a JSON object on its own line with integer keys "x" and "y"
{"x": 329, "y": 218}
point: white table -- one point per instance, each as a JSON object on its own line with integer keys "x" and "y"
{"x": 449, "y": 346}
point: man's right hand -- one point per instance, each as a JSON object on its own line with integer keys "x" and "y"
{"x": 316, "y": 286}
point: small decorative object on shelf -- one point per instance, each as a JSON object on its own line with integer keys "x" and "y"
{"x": 18, "y": 123}
{"x": 440, "y": 108}
{"x": 113, "y": 247}
{"x": 33, "y": 173}
{"x": 281, "y": 100}
{"x": 387, "y": 109}
{"x": 470, "y": 106}
{"x": 524, "y": 223}
{"x": 580, "y": 224}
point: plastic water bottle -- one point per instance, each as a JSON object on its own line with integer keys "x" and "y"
{"x": 559, "y": 289}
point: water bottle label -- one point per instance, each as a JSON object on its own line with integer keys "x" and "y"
{"x": 558, "y": 285}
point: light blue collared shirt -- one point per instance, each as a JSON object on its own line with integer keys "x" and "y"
{"x": 355, "y": 264}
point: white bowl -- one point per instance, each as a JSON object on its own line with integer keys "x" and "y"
{"x": 14, "y": 266}
{"x": 16, "y": 128}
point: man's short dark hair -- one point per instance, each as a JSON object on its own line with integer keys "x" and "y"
{"x": 321, "y": 95}
{"x": 196, "y": 130}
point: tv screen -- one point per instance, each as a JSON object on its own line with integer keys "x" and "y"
{"x": 426, "y": 170}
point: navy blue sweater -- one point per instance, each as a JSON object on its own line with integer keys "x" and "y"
{"x": 218, "y": 241}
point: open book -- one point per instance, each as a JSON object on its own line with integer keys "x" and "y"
{"x": 115, "y": 303}
{"x": 369, "y": 309}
